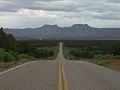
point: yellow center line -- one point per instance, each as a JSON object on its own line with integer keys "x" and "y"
{"x": 62, "y": 78}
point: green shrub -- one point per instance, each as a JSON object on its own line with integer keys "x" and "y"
{"x": 100, "y": 62}
{"x": 2, "y": 52}
{"x": 51, "y": 53}
{"x": 82, "y": 53}
{"x": 43, "y": 53}
{"x": 16, "y": 55}
{"x": 8, "y": 57}
{"x": 103, "y": 57}
{"x": 25, "y": 56}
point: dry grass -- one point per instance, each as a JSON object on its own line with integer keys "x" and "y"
{"x": 114, "y": 64}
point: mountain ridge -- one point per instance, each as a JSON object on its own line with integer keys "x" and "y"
{"x": 74, "y": 32}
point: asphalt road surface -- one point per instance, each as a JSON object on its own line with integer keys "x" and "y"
{"x": 60, "y": 74}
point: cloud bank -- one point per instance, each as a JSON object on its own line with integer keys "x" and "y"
{"x": 35, "y": 13}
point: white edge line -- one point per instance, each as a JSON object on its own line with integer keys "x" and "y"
{"x": 16, "y": 67}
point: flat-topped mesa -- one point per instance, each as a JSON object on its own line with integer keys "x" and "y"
{"x": 50, "y": 26}
{"x": 81, "y": 26}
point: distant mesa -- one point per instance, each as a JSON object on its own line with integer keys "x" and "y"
{"x": 76, "y": 26}
{"x": 74, "y": 32}
{"x": 81, "y": 25}
{"x": 50, "y": 26}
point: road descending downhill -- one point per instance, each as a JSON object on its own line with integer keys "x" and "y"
{"x": 60, "y": 56}
{"x": 60, "y": 74}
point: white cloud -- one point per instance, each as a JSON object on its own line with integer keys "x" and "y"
{"x": 36, "y": 13}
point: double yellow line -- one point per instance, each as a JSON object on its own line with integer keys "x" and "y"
{"x": 62, "y": 81}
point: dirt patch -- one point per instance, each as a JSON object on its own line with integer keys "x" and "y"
{"x": 114, "y": 64}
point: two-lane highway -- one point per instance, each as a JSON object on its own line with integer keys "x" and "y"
{"x": 60, "y": 74}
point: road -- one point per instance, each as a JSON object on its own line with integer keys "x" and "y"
{"x": 60, "y": 74}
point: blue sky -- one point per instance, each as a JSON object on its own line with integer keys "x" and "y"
{"x": 35, "y": 13}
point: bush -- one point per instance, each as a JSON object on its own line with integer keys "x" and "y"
{"x": 106, "y": 56}
{"x": 8, "y": 57}
{"x": 2, "y": 52}
{"x": 25, "y": 56}
{"x": 11, "y": 56}
{"x": 82, "y": 53}
{"x": 25, "y": 48}
{"x": 15, "y": 54}
{"x": 42, "y": 53}
{"x": 100, "y": 62}
{"x": 117, "y": 57}
{"x": 51, "y": 53}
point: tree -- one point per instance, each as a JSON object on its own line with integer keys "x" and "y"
{"x": 25, "y": 48}
{"x": 7, "y": 41}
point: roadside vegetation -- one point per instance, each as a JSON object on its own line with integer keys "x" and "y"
{"x": 101, "y": 52}
{"x": 14, "y": 52}
{"x": 44, "y": 49}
